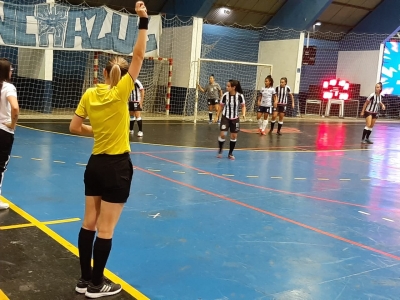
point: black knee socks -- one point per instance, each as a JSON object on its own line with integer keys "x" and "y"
{"x": 85, "y": 246}
{"x": 232, "y": 145}
{"x": 101, "y": 251}
{"x": 140, "y": 124}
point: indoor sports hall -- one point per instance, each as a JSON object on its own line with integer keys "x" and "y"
{"x": 310, "y": 213}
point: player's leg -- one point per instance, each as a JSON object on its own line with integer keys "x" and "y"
{"x": 368, "y": 122}
{"x": 224, "y": 127}
{"x": 273, "y": 119}
{"x": 265, "y": 120}
{"x": 116, "y": 183}
{"x": 139, "y": 120}
{"x": 259, "y": 119}
{"x": 210, "y": 110}
{"x": 132, "y": 118}
{"x": 372, "y": 124}
{"x": 280, "y": 120}
{"x": 7, "y": 140}
{"x": 234, "y": 129}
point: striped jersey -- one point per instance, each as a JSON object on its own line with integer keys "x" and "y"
{"x": 135, "y": 95}
{"x": 374, "y": 103}
{"x": 282, "y": 94}
{"x": 231, "y": 105}
{"x": 266, "y": 96}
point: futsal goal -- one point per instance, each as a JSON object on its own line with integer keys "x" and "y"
{"x": 250, "y": 75}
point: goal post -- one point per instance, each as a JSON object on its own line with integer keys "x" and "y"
{"x": 250, "y": 75}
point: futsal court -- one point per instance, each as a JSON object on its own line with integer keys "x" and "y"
{"x": 311, "y": 214}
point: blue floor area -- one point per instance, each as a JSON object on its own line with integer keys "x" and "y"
{"x": 269, "y": 225}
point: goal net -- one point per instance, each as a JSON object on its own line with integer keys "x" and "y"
{"x": 155, "y": 76}
{"x": 250, "y": 75}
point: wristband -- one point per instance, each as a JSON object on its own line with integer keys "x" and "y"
{"x": 143, "y": 23}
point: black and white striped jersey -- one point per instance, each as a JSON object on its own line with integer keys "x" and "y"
{"x": 374, "y": 103}
{"x": 135, "y": 95}
{"x": 267, "y": 95}
{"x": 282, "y": 94}
{"x": 231, "y": 104}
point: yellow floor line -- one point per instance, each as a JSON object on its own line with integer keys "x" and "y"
{"x": 127, "y": 287}
{"x": 46, "y": 223}
{"x": 3, "y": 296}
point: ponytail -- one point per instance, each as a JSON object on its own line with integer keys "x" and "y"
{"x": 115, "y": 75}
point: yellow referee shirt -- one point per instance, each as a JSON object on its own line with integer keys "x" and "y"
{"x": 109, "y": 116}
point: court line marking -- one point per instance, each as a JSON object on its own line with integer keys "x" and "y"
{"x": 55, "y": 236}
{"x": 45, "y": 223}
{"x": 3, "y": 296}
{"x": 179, "y": 172}
{"x": 191, "y": 147}
{"x": 252, "y": 176}
{"x": 334, "y": 236}
{"x": 266, "y": 188}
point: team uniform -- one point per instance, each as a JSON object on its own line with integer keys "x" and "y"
{"x": 282, "y": 95}
{"x": 266, "y": 105}
{"x": 109, "y": 171}
{"x": 372, "y": 108}
{"x": 212, "y": 92}
{"x": 6, "y": 134}
{"x": 230, "y": 113}
{"x": 135, "y": 98}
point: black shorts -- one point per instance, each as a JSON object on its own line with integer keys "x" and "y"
{"x": 265, "y": 109}
{"x": 374, "y": 115}
{"x": 109, "y": 176}
{"x": 134, "y": 106}
{"x": 233, "y": 125}
{"x": 280, "y": 109}
{"x": 212, "y": 101}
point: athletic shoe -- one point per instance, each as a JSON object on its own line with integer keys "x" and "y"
{"x": 210, "y": 122}
{"x": 107, "y": 288}
{"x": 259, "y": 130}
{"x": 140, "y": 134}
{"x": 131, "y": 132}
{"x": 231, "y": 157}
{"x": 4, "y": 205}
{"x": 81, "y": 286}
{"x": 270, "y": 131}
{"x": 262, "y": 132}
{"x": 368, "y": 141}
{"x": 219, "y": 122}
{"x": 278, "y": 133}
{"x": 219, "y": 155}
{"x": 363, "y": 141}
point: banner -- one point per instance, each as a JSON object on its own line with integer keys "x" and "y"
{"x": 62, "y": 27}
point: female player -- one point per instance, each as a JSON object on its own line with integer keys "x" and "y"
{"x": 109, "y": 171}
{"x": 265, "y": 104}
{"x": 9, "y": 111}
{"x": 135, "y": 107}
{"x": 370, "y": 112}
{"x": 230, "y": 103}
{"x": 214, "y": 93}
{"x": 282, "y": 92}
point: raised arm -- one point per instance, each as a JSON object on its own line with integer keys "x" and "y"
{"x": 140, "y": 46}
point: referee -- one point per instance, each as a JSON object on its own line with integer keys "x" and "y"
{"x": 230, "y": 103}
{"x": 109, "y": 171}
{"x": 135, "y": 107}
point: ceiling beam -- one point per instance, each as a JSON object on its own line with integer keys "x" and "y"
{"x": 352, "y": 6}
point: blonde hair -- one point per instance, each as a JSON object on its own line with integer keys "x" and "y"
{"x": 116, "y": 68}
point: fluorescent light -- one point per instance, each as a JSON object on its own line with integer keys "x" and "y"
{"x": 318, "y": 23}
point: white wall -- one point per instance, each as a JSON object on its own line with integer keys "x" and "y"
{"x": 359, "y": 67}
{"x": 283, "y": 55}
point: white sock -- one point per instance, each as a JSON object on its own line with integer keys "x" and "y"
{"x": 260, "y": 123}
{"x": 264, "y": 124}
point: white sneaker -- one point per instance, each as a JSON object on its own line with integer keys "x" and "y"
{"x": 131, "y": 131}
{"x": 4, "y": 205}
{"x": 140, "y": 134}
